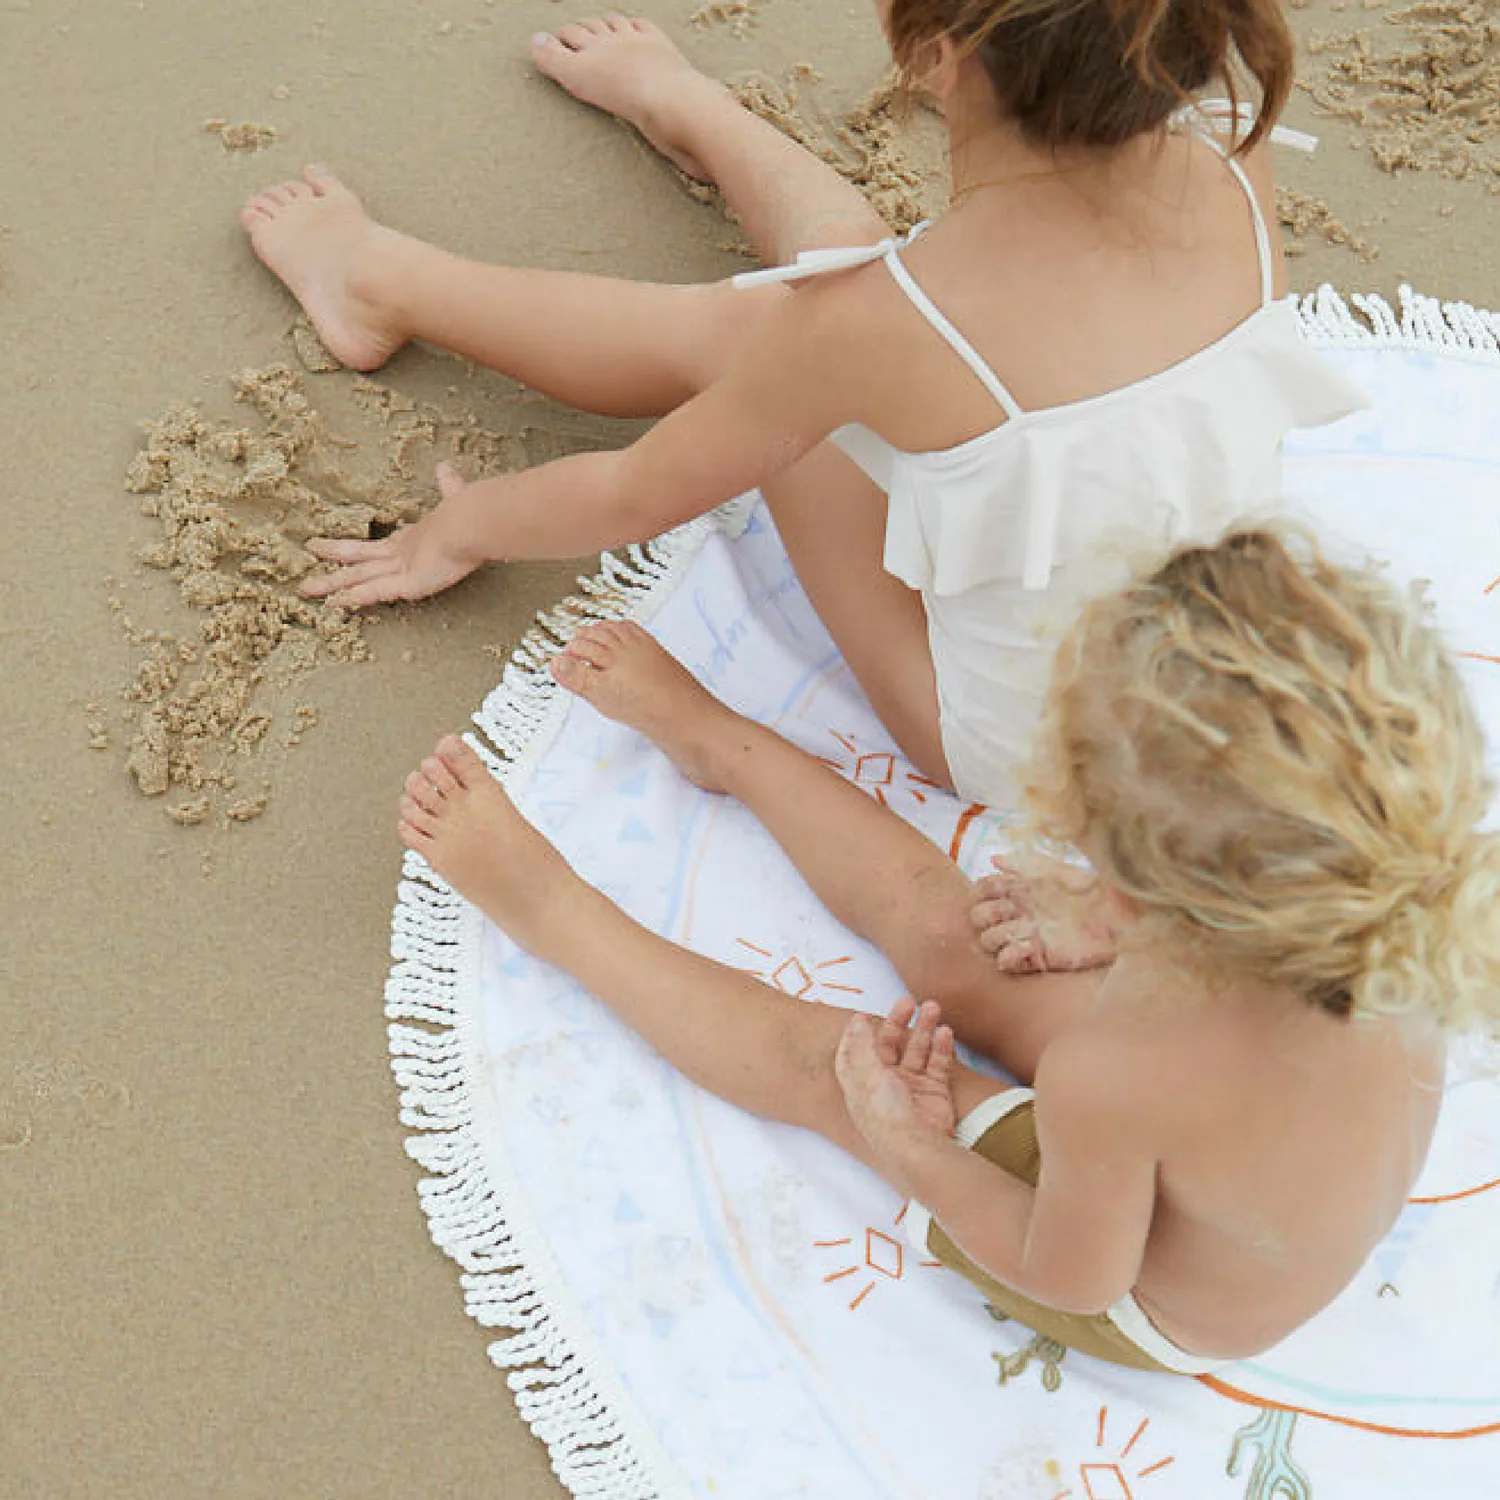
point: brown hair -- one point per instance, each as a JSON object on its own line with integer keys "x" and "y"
{"x": 1274, "y": 759}
{"x": 1102, "y": 72}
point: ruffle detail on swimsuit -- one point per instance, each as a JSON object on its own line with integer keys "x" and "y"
{"x": 1173, "y": 456}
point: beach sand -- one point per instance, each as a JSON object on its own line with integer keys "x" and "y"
{"x": 217, "y": 1281}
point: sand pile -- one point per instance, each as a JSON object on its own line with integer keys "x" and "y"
{"x": 741, "y": 17}
{"x": 211, "y": 708}
{"x": 1424, "y": 89}
{"x": 1302, "y": 214}
{"x": 886, "y": 146}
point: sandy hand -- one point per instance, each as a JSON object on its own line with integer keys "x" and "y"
{"x": 421, "y": 559}
{"x": 1010, "y": 918}
{"x": 897, "y": 1075}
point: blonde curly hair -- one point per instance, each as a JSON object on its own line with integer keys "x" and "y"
{"x": 1274, "y": 759}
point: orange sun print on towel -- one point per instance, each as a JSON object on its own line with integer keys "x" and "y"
{"x": 882, "y": 1256}
{"x": 1489, "y": 589}
{"x": 1113, "y": 1477}
{"x": 795, "y": 977}
{"x": 878, "y": 772}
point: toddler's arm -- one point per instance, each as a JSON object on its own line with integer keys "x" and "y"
{"x": 1076, "y": 1241}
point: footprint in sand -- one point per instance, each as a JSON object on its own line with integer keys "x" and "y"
{"x": 45, "y": 1098}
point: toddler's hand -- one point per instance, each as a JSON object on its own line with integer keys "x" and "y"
{"x": 421, "y": 559}
{"x": 897, "y": 1075}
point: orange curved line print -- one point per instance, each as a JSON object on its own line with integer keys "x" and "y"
{"x": 965, "y": 821}
{"x": 1473, "y": 1192}
{"x": 1234, "y": 1393}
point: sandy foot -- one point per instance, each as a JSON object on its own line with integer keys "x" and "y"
{"x": 631, "y": 69}
{"x": 628, "y": 677}
{"x": 316, "y": 236}
{"x": 1031, "y": 929}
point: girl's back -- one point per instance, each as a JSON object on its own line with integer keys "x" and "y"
{"x": 1085, "y": 358}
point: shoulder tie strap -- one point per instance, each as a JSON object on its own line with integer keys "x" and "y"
{"x": 816, "y": 263}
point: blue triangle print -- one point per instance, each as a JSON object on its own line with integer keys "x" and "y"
{"x": 636, "y": 832}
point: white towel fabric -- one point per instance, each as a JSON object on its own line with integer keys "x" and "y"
{"x": 698, "y": 1303}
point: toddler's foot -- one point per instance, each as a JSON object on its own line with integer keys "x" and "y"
{"x": 317, "y": 238}
{"x": 460, "y": 820}
{"x": 620, "y": 669}
{"x": 631, "y": 69}
{"x": 1054, "y": 922}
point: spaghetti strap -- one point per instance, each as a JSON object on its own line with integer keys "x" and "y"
{"x": 1262, "y": 238}
{"x": 950, "y": 335}
{"x": 1199, "y": 118}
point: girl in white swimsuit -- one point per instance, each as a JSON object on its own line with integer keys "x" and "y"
{"x": 1109, "y": 264}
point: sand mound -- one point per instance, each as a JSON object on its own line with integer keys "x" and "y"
{"x": 211, "y": 708}
{"x": 1424, "y": 90}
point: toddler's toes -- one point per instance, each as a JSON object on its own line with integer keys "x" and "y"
{"x": 1000, "y": 935}
{"x": 1019, "y": 958}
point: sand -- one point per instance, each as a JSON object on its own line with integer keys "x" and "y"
{"x": 217, "y": 1280}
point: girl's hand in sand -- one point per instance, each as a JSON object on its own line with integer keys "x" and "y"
{"x": 897, "y": 1075}
{"x": 421, "y": 559}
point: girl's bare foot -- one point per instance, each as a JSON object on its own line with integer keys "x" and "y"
{"x": 628, "y": 677}
{"x": 317, "y": 238}
{"x": 460, "y": 820}
{"x": 631, "y": 69}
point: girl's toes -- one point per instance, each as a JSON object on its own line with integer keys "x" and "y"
{"x": 590, "y": 645}
{"x": 440, "y": 776}
{"x": 575, "y": 674}
{"x": 423, "y": 791}
{"x": 462, "y": 760}
{"x": 417, "y": 816}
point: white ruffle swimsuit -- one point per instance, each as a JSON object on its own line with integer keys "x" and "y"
{"x": 1005, "y": 536}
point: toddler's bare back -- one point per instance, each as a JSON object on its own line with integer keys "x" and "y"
{"x": 1287, "y": 1140}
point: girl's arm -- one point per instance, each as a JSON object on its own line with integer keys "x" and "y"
{"x": 788, "y": 389}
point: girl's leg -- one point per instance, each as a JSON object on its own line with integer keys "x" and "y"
{"x": 739, "y": 1038}
{"x": 785, "y": 198}
{"x": 621, "y": 348}
{"x": 875, "y": 873}
{"x": 614, "y": 347}
{"x": 831, "y": 518}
